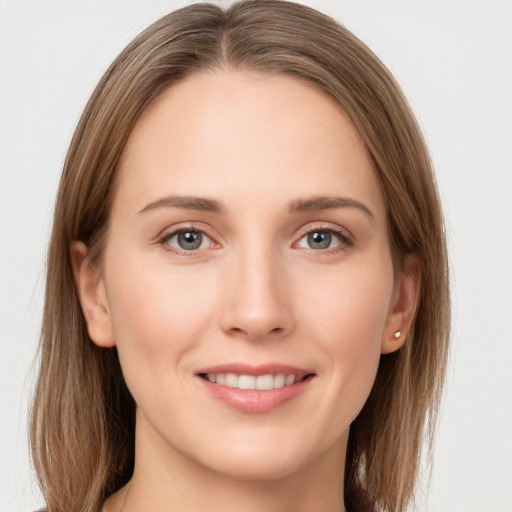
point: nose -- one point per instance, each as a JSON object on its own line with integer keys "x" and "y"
{"x": 257, "y": 302}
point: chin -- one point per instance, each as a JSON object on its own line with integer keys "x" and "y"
{"x": 274, "y": 457}
{"x": 263, "y": 467}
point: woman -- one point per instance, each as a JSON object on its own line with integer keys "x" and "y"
{"x": 247, "y": 298}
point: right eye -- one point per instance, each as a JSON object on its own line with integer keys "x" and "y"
{"x": 187, "y": 240}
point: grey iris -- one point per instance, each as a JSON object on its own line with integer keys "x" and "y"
{"x": 190, "y": 240}
{"x": 319, "y": 240}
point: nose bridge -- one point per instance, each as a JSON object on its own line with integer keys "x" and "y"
{"x": 257, "y": 304}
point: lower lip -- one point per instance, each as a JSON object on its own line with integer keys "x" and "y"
{"x": 255, "y": 401}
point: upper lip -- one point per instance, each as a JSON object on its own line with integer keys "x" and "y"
{"x": 255, "y": 370}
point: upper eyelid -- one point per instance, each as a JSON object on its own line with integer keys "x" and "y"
{"x": 167, "y": 235}
{"x": 186, "y": 226}
{"x": 171, "y": 231}
{"x": 324, "y": 227}
{"x": 345, "y": 237}
{"x": 172, "y": 234}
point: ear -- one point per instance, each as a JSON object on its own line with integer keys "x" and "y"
{"x": 93, "y": 297}
{"x": 403, "y": 305}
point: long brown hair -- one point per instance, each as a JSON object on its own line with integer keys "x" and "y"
{"x": 82, "y": 430}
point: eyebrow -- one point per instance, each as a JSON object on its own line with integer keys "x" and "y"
{"x": 186, "y": 202}
{"x": 298, "y": 205}
{"x": 327, "y": 203}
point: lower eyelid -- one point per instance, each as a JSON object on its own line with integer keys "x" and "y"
{"x": 164, "y": 239}
{"x": 345, "y": 239}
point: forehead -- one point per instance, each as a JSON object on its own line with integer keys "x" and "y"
{"x": 233, "y": 134}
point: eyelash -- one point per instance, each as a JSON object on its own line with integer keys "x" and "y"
{"x": 345, "y": 241}
{"x": 166, "y": 237}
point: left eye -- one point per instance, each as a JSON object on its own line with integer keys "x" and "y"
{"x": 320, "y": 240}
{"x": 189, "y": 240}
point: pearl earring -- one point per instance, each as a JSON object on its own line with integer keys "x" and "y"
{"x": 397, "y": 335}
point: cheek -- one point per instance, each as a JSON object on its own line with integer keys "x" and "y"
{"x": 348, "y": 320}
{"x": 157, "y": 315}
{"x": 351, "y": 303}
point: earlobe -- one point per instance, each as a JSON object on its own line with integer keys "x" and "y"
{"x": 403, "y": 305}
{"x": 92, "y": 294}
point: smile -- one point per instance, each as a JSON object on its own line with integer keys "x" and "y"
{"x": 255, "y": 389}
{"x": 261, "y": 382}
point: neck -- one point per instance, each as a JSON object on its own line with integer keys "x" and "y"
{"x": 166, "y": 480}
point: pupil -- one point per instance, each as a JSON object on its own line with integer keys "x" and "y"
{"x": 190, "y": 240}
{"x": 319, "y": 240}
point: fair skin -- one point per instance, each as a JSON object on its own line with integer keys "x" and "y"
{"x": 286, "y": 262}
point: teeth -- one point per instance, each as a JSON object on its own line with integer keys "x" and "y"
{"x": 231, "y": 380}
{"x": 262, "y": 382}
{"x": 280, "y": 379}
{"x": 265, "y": 382}
{"x": 247, "y": 382}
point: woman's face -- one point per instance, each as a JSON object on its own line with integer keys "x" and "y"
{"x": 248, "y": 246}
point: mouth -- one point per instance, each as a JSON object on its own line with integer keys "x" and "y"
{"x": 255, "y": 389}
{"x": 266, "y": 382}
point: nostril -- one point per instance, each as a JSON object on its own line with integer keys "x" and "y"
{"x": 255, "y": 332}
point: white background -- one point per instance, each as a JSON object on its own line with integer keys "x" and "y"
{"x": 454, "y": 61}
